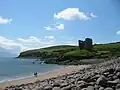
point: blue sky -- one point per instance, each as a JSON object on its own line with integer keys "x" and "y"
{"x": 29, "y": 24}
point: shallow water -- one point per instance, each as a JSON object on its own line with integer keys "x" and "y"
{"x": 11, "y": 68}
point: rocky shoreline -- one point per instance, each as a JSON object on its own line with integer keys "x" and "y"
{"x": 103, "y": 76}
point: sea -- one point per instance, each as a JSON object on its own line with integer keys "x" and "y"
{"x": 13, "y": 68}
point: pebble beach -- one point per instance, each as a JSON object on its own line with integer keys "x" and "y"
{"x": 102, "y": 76}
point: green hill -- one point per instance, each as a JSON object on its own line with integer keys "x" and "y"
{"x": 66, "y": 54}
{"x": 48, "y": 52}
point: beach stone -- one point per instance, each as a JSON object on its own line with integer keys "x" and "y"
{"x": 118, "y": 86}
{"x": 64, "y": 85}
{"x": 56, "y": 88}
{"x": 92, "y": 83}
{"x": 90, "y": 88}
{"x": 79, "y": 82}
{"x": 102, "y": 80}
{"x": 83, "y": 85}
{"x": 56, "y": 84}
{"x": 71, "y": 76}
{"x": 39, "y": 88}
{"x": 117, "y": 69}
{"x": 78, "y": 88}
{"x": 118, "y": 74}
{"x": 108, "y": 88}
{"x": 115, "y": 77}
{"x": 62, "y": 81}
{"x": 101, "y": 88}
{"x": 66, "y": 88}
{"x": 96, "y": 87}
{"x": 84, "y": 89}
{"x": 18, "y": 88}
{"x": 111, "y": 70}
{"x": 24, "y": 89}
{"x": 48, "y": 87}
{"x": 77, "y": 75}
{"x": 75, "y": 87}
{"x": 72, "y": 80}
{"x": 95, "y": 77}
{"x": 106, "y": 73}
{"x": 78, "y": 79}
{"x": 114, "y": 82}
{"x": 110, "y": 75}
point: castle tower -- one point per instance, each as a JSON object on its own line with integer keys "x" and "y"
{"x": 81, "y": 44}
{"x": 88, "y": 44}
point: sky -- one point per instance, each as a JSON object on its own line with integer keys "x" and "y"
{"x": 31, "y": 24}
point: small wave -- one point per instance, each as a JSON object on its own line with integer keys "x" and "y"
{"x": 15, "y": 78}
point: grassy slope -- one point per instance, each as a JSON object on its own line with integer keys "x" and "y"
{"x": 47, "y": 52}
{"x": 65, "y": 54}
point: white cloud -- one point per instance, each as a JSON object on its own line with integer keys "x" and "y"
{"x": 5, "y": 20}
{"x": 93, "y": 15}
{"x": 6, "y": 42}
{"x": 22, "y": 44}
{"x": 73, "y": 14}
{"x": 55, "y": 27}
{"x": 34, "y": 43}
{"x": 60, "y": 27}
{"x": 48, "y": 28}
{"x": 10, "y": 45}
{"x": 30, "y": 39}
{"x": 118, "y": 32}
{"x": 50, "y": 37}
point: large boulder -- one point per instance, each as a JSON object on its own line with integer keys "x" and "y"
{"x": 102, "y": 80}
{"x": 90, "y": 88}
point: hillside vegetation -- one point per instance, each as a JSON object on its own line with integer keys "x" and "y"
{"x": 66, "y": 54}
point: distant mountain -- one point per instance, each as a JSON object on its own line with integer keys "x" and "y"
{"x": 6, "y": 53}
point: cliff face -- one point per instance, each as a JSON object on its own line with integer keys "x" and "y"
{"x": 66, "y": 54}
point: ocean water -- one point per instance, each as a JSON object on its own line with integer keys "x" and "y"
{"x": 12, "y": 69}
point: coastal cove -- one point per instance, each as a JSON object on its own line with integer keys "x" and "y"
{"x": 59, "y": 44}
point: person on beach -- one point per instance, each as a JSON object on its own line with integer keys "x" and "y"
{"x": 33, "y": 62}
{"x": 35, "y": 74}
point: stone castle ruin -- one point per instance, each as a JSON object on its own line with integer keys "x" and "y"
{"x": 87, "y": 44}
